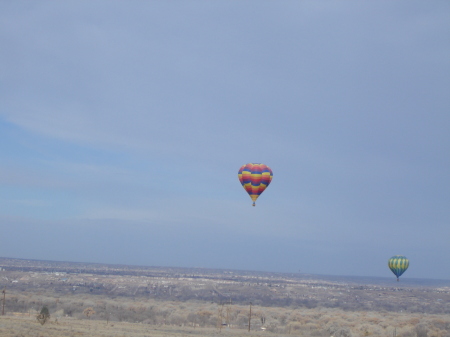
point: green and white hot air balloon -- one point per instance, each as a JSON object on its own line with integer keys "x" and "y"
{"x": 398, "y": 265}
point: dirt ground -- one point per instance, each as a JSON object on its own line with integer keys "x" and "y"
{"x": 25, "y": 326}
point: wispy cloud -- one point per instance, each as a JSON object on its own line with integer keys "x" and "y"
{"x": 141, "y": 115}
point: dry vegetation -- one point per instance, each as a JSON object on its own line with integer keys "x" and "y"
{"x": 70, "y": 327}
{"x": 117, "y": 304}
{"x": 122, "y": 317}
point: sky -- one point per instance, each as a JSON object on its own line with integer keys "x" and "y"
{"x": 123, "y": 126}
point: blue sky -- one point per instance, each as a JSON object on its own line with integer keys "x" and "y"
{"x": 123, "y": 126}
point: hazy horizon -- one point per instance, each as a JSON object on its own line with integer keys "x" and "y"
{"x": 406, "y": 281}
{"x": 123, "y": 127}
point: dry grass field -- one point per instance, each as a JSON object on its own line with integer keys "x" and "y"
{"x": 279, "y": 322}
{"x": 25, "y": 326}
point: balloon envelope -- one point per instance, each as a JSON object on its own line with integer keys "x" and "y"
{"x": 398, "y": 265}
{"x": 255, "y": 178}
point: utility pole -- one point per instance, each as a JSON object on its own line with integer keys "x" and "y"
{"x": 250, "y": 317}
{"x": 220, "y": 315}
{"x": 228, "y": 313}
{"x": 3, "y": 306}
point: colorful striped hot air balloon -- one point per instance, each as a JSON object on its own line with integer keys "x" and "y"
{"x": 398, "y": 265}
{"x": 255, "y": 178}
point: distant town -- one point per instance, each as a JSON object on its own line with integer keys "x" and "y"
{"x": 240, "y": 287}
{"x": 162, "y": 301}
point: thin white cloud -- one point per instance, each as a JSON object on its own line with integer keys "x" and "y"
{"x": 142, "y": 113}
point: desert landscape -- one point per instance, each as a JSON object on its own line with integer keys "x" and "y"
{"x": 118, "y": 300}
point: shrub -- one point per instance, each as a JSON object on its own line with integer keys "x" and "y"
{"x": 88, "y": 312}
{"x": 421, "y": 330}
{"x": 43, "y": 316}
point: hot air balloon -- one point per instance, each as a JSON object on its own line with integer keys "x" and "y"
{"x": 398, "y": 265}
{"x": 255, "y": 178}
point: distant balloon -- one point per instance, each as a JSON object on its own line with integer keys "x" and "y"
{"x": 255, "y": 178}
{"x": 398, "y": 265}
